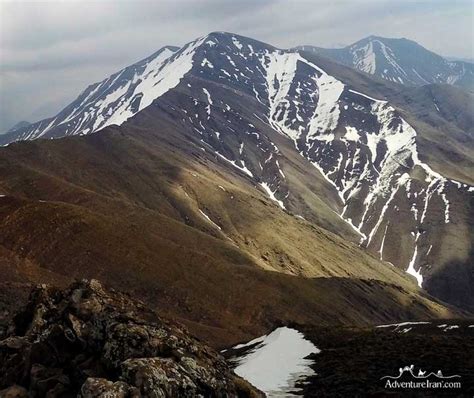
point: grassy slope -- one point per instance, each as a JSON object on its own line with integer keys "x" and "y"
{"x": 126, "y": 211}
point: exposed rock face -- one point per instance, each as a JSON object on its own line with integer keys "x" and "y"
{"x": 89, "y": 342}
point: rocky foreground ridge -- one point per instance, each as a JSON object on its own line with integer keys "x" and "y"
{"x": 89, "y": 342}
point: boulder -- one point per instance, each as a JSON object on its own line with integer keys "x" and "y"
{"x": 91, "y": 342}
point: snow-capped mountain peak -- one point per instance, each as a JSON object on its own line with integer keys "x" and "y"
{"x": 401, "y": 61}
{"x": 232, "y": 94}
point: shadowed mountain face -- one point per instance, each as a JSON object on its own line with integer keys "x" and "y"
{"x": 360, "y": 362}
{"x": 400, "y": 61}
{"x": 233, "y": 160}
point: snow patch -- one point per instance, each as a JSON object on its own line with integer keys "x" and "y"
{"x": 277, "y": 362}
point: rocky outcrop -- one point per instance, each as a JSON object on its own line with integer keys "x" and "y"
{"x": 89, "y": 342}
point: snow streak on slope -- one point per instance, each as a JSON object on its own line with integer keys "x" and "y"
{"x": 364, "y": 58}
{"x": 361, "y": 145}
{"x": 104, "y": 103}
{"x": 155, "y": 81}
{"x": 291, "y": 96}
{"x": 280, "y": 73}
{"x": 277, "y": 362}
{"x": 272, "y": 195}
{"x": 118, "y": 97}
{"x": 326, "y": 117}
{"x": 411, "y": 266}
{"x": 209, "y": 219}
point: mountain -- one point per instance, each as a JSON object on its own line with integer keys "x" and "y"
{"x": 103, "y": 103}
{"x": 234, "y": 185}
{"x": 19, "y": 125}
{"x": 401, "y": 61}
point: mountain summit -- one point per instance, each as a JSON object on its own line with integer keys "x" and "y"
{"x": 401, "y": 61}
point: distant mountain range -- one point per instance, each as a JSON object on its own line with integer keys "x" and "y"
{"x": 401, "y": 61}
{"x": 220, "y": 161}
{"x": 20, "y": 125}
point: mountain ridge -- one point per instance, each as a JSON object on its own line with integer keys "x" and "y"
{"x": 246, "y": 103}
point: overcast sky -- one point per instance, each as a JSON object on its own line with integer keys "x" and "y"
{"x": 50, "y": 51}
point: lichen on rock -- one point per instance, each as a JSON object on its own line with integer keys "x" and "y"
{"x": 89, "y": 342}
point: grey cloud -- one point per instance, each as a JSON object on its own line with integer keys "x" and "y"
{"x": 50, "y": 51}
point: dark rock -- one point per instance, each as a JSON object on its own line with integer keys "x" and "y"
{"x": 86, "y": 341}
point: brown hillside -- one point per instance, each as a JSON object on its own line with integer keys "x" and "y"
{"x": 124, "y": 206}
